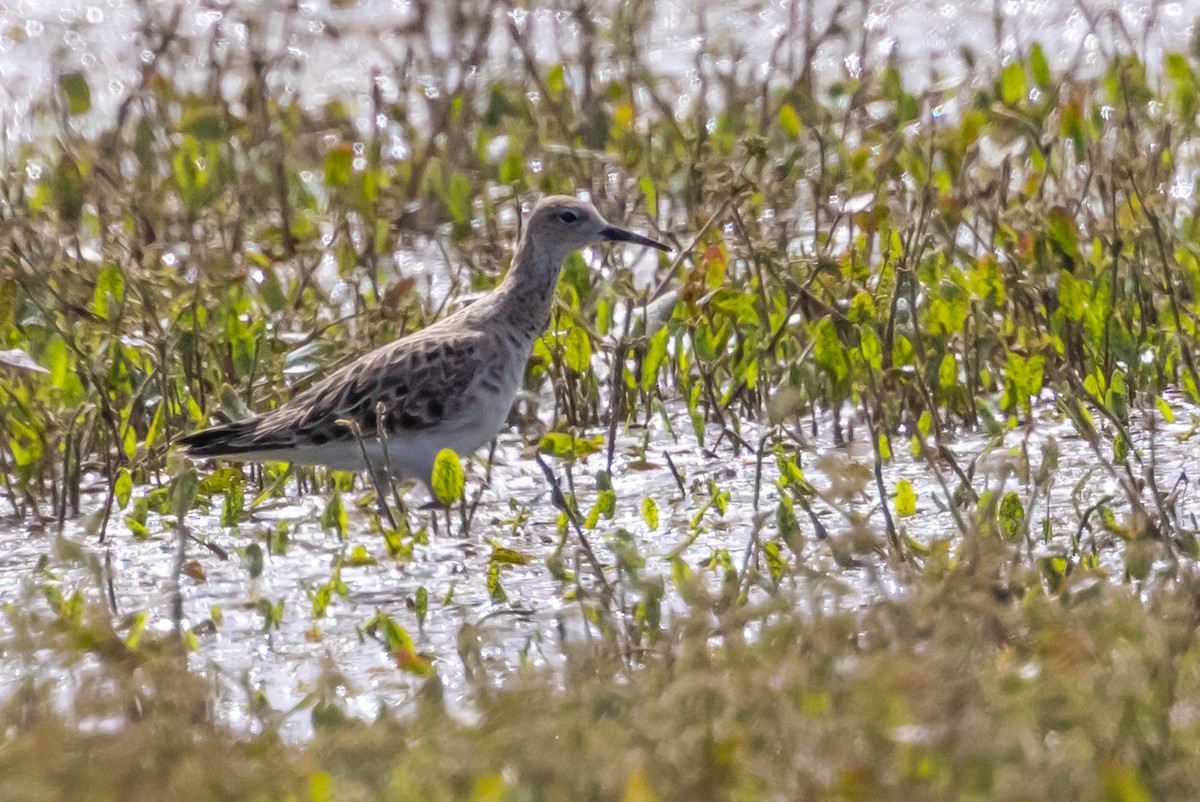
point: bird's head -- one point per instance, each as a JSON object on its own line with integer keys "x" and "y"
{"x": 561, "y": 224}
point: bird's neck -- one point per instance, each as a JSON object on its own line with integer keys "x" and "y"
{"x": 525, "y": 294}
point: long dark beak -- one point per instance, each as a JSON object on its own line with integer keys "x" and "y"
{"x": 614, "y": 234}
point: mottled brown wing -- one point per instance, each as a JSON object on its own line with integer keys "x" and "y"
{"x": 421, "y": 380}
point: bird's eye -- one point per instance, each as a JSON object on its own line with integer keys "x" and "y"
{"x": 568, "y": 216}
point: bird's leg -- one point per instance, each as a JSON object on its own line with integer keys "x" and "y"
{"x": 379, "y": 473}
{"x": 381, "y": 481}
{"x": 433, "y": 507}
{"x": 381, "y": 426}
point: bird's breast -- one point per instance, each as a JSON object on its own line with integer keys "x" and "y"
{"x": 495, "y": 389}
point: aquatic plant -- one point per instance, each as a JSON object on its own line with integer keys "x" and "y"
{"x": 870, "y": 492}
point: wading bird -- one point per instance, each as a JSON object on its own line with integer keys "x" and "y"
{"x": 450, "y": 385}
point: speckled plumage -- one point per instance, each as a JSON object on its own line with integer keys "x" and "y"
{"x": 450, "y": 385}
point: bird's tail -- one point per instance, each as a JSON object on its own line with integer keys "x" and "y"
{"x": 234, "y": 439}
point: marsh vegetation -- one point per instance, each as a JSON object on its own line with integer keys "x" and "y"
{"x": 876, "y": 488}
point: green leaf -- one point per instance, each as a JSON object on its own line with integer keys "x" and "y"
{"x": 191, "y": 171}
{"x": 1073, "y": 128}
{"x": 321, "y": 787}
{"x": 129, "y": 442}
{"x": 206, "y": 122}
{"x": 271, "y": 612}
{"x": 1039, "y": 67}
{"x": 788, "y": 525}
{"x": 972, "y": 124}
{"x": 1023, "y": 380}
{"x": 828, "y": 350}
{"x": 1120, "y": 782}
{"x": 562, "y": 444}
{"x": 512, "y": 167}
{"x": 185, "y": 493}
{"x": 650, "y": 513}
{"x": 555, "y": 79}
{"x": 109, "y": 292}
{"x": 1164, "y": 409}
{"x": 334, "y": 516}
{"x": 233, "y": 504}
{"x": 123, "y": 488}
{"x": 220, "y": 481}
{"x": 232, "y": 405}
{"x": 359, "y": 556}
{"x": 1062, "y": 232}
{"x": 656, "y": 354}
{"x": 277, "y": 541}
{"x": 79, "y": 95}
{"x": 1117, "y": 396}
{"x": 1071, "y": 295}
{"x": 339, "y": 165}
{"x": 557, "y": 444}
{"x": 1120, "y": 448}
{"x": 143, "y": 146}
{"x": 710, "y": 343}
{"x": 902, "y": 351}
{"x": 66, "y": 187}
{"x": 650, "y": 192}
{"x": 1177, "y": 68}
{"x": 507, "y": 556}
{"x": 906, "y": 499}
{"x": 948, "y": 372}
{"x": 775, "y": 561}
{"x": 885, "y": 447}
{"x": 155, "y": 426}
{"x": 57, "y": 360}
{"x": 421, "y": 605}
{"x": 495, "y": 589}
{"x": 789, "y": 121}
{"x": 925, "y": 423}
{"x": 8, "y": 298}
{"x": 907, "y": 108}
{"x": 862, "y": 308}
{"x": 447, "y": 480}
{"x": 401, "y": 646}
{"x": 577, "y": 350}
{"x": 872, "y": 349}
{"x": 686, "y": 582}
{"x": 136, "y": 629}
{"x": 1012, "y": 516}
{"x": 1012, "y": 83}
{"x": 606, "y": 506}
{"x": 458, "y": 198}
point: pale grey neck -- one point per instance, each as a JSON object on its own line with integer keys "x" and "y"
{"x": 525, "y": 294}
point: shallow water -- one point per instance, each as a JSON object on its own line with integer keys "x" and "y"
{"x": 528, "y": 629}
